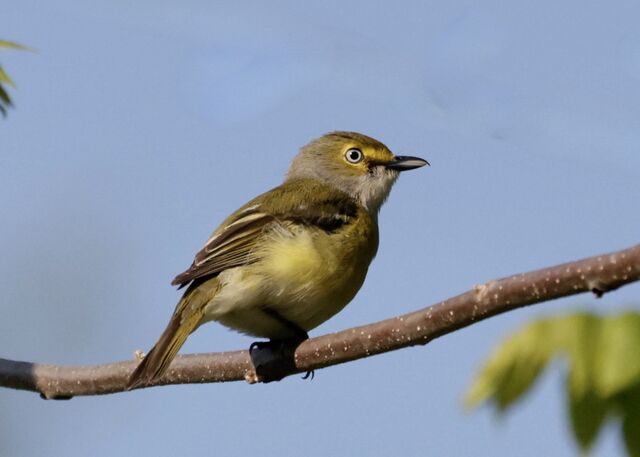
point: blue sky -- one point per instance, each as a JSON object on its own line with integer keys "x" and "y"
{"x": 140, "y": 125}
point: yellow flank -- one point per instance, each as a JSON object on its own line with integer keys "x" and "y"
{"x": 295, "y": 257}
{"x": 312, "y": 275}
{"x": 305, "y": 275}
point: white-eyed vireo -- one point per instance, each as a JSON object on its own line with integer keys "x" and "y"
{"x": 293, "y": 257}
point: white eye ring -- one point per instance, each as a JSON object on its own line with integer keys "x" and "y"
{"x": 354, "y": 155}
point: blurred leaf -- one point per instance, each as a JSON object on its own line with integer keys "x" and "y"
{"x": 11, "y": 45}
{"x": 618, "y": 365}
{"x": 631, "y": 430}
{"x": 603, "y": 378}
{"x": 587, "y": 413}
{"x": 580, "y": 335}
{"x": 5, "y": 99}
{"x": 631, "y": 421}
{"x": 513, "y": 367}
{"x": 4, "y": 78}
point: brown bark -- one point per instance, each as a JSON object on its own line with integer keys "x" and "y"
{"x": 598, "y": 274}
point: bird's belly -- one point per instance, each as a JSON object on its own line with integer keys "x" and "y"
{"x": 304, "y": 279}
{"x": 312, "y": 278}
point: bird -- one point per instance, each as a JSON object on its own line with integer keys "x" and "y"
{"x": 291, "y": 258}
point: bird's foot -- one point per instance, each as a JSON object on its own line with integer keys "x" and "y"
{"x": 275, "y": 359}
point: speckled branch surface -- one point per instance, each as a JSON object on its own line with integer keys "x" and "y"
{"x": 598, "y": 274}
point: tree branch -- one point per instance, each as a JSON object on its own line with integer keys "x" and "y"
{"x": 598, "y": 274}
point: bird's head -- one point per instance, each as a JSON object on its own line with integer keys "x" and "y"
{"x": 354, "y": 163}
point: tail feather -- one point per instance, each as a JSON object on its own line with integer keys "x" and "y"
{"x": 185, "y": 319}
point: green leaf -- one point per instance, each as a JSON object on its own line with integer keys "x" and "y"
{"x": 603, "y": 378}
{"x": 4, "y": 78}
{"x": 631, "y": 421}
{"x": 587, "y": 413}
{"x": 618, "y": 364}
{"x": 5, "y": 100}
{"x": 513, "y": 368}
{"x": 4, "y": 97}
{"x": 11, "y": 45}
{"x": 631, "y": 433}
{"x": 581, "y": 342}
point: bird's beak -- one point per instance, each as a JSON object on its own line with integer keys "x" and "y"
{"x": 403, "y": 163}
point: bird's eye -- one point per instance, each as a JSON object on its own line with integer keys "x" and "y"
{"x": 354, "y": 155}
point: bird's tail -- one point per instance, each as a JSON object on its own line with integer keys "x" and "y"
{"x": 187, "y": 316}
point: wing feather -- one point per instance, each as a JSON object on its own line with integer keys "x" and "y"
{"x": 227, "y": 248}
{"x": 233, "y": 244}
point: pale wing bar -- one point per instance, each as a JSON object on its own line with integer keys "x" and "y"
{"x": 233, "y": 245}
{"x": 230, "y": 248}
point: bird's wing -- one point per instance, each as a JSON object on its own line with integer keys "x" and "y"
{"x": 233, "y": 244}
{"x": 229, "y": 246}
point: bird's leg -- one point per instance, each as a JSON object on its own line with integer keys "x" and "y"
{"x": 279, "y": 345}
{"x": 295, "y": 342}
{"x": 275, "y": 359}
